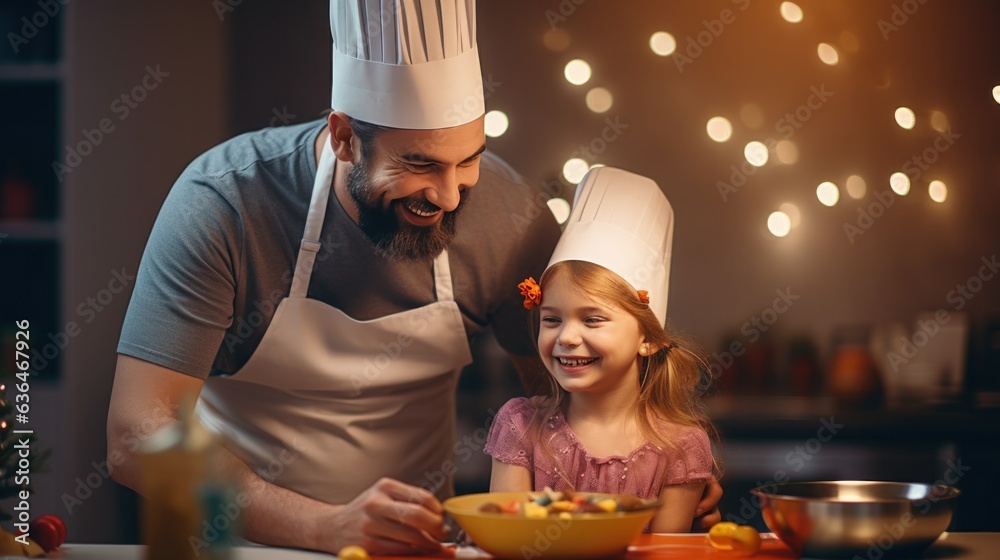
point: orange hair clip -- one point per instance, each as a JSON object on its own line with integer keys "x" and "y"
{"x": 531, "y": 291}
{"x": 643, "y": 296}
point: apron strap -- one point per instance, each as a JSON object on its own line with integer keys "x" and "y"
{"x": 442, "y": 278}
{"x": 314, "y": 223}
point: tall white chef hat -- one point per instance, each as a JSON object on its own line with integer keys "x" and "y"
{"x": 623, "y": 222}
{"x": 406, "y": 63}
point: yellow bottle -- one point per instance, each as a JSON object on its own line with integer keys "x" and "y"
{"x": 184, "y": 497}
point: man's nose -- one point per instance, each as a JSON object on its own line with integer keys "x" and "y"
{"x": 447, "y": 191}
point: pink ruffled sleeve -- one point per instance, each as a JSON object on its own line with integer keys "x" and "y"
{"x": 694, "y": 462}
{"x": 507, "y": 441}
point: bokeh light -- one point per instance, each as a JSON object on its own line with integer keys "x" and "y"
{"x": 779, "y": 224}
{"x": 751, "y": 115}
{"x": 856, "y": 187}
{"x": 556, "y": 39}
{"x": 574, "y": 169}
{"x": 791, "y": 12}
{"x": 756, "y": 153}
{"x": 560, "y": 208}
{"x": 787, "y": 152}
{"x": 496, "y": 123}
{"x": 828, "y": 54}
{"x": 577, "y": 72}
{"x": 849, "y": 41}
{"x": 828, "y": 193}
{"x": 900, "y": 183}
{"x": 599, "y": 100}
{"x": 719, "y": 129}
{"x": 939, "y": 121}
{"x": 996, "y": 93}
{"x": 663, "y": 43}
{"x": 792, "y": 211}
{"x": 938, "y": 191}
{"x": 905, "y": 118}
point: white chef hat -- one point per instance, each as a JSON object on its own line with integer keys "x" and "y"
{"x": 406, "y": 63}
{"x": 623, "y": 222}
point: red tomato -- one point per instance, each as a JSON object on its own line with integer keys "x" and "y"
{"x": 46, "y": 533}
{"x": 59, "y": 525}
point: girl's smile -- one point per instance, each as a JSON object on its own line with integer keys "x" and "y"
{"x": 591, "y": 344}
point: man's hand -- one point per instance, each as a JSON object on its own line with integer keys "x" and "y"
{"x": 707, "y": 513}
{"x": 390, "y": 519}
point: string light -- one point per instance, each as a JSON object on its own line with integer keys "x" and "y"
{"x": 663, "y": 43}
{"x": 828, "y": 54}
{"x": 779, "y": 224}
{"x": 577, "y": 72}
{"x": 719, "y": 129}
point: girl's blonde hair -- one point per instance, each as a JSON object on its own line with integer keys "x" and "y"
{"x": 671, "y": 379}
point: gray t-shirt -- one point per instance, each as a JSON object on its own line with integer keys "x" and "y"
{"x": 220, "y": 256}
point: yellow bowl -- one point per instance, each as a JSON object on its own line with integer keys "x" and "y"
{"x": 582, "y": 536}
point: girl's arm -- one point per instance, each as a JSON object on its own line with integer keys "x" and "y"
{"x": 678, "y": 502}
{"x": 513, "y": 478}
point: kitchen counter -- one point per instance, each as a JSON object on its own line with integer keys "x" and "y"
{"x": 958, "y": 546}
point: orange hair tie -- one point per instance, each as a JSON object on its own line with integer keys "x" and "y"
{"x": 643, "y": 296}
{"x": 531, "y": 291}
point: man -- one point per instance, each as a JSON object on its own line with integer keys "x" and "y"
{"x": 324, "y": 334}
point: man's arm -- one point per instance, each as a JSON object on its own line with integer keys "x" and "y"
{"x": 534, "y": 376}
{"x": 389, "y": 518}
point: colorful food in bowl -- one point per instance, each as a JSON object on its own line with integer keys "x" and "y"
{"x": 566, "y": 503}
{"x": 536, "y": 529}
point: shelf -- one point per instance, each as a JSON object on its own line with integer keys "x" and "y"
{"x": 31, "y": 71}
{"x": 759, "y": 417}
{"x": 29, "y": 230}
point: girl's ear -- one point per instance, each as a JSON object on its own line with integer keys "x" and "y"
{"x": 341, "y": 136}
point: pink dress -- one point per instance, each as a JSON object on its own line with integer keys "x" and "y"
{"x": 644, "y": 472}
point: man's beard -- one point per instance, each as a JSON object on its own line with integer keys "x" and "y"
{"x": 392, "y": 239}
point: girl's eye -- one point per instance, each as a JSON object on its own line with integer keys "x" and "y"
{"x": 594, "y": 320}
{"x": 550, "y": 320}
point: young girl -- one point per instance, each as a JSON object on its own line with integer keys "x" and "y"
{"x": 623, "y": 414}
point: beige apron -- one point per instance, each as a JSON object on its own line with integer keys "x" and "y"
{"x": 327, "y": 405}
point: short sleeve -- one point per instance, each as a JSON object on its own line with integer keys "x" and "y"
{"x": 508, "y": 441}
{"x": 695, "y": 462}
{"x": 182, "y": 303}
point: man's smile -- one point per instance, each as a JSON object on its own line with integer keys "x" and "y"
{"x": 419, "y": 212}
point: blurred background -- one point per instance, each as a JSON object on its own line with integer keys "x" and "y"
{"x": 832, "y": 167}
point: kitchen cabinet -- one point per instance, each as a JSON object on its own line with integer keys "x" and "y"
{"x": 31, "y": 97}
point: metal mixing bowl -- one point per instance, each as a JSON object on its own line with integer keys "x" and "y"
{"x": 841, "y": 519}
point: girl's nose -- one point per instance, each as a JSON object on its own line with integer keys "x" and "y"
{"x": 569, "y": 336}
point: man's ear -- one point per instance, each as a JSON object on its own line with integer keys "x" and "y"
{"x": 341, "y": 136}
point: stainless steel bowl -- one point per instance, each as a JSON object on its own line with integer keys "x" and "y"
{"x": 841, "y": 519}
